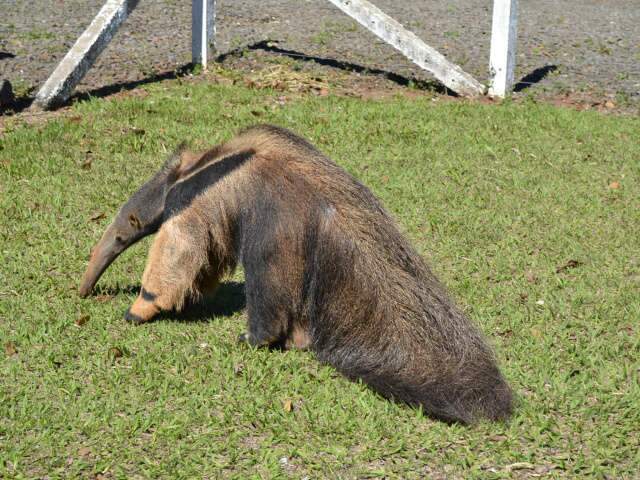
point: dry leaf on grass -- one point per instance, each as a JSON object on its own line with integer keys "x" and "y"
{"x": 97, "y": 216}
{"x": 10, "y": 349}
{"x": 287, "y": 405}
{"x": 115, "y": 353}
{"x": 519, "y": 466}
{"x": 81, "y": 320}
{"x": 568, "y": 265}
{"x": 134, "y": 130}
{"x": 84, "y": 452}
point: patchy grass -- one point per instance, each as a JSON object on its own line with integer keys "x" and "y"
{"x": 37, "y": 34}
{"x": 529, "y": 214}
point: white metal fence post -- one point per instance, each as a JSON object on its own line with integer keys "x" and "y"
{"x": 203, "y": 30}
{"x": 502, "y": 60}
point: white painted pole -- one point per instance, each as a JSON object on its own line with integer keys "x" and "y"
{"x": 58, "y": 87}
{"x": 203, "y": 30}
{"x": 389, "y": 30}
{"x": 502, "y": 61}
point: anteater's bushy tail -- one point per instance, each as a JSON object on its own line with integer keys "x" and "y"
{"x": 452, "y": 391}
{"x": 463, "y": 397}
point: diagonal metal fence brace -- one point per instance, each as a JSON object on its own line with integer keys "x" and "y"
{"x": 427, "y": 58}
{"x": 58, "y": 87}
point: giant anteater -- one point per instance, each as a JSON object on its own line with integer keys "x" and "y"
{"x": 325, "y": 268}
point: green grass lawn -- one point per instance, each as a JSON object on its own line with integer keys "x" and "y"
{"x": 530, "y": 214}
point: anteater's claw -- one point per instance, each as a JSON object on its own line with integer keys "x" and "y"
{"x": 132, "y": 317}
{"x": 243, "y": 338}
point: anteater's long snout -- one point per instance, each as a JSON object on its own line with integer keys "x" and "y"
{"x": 102, "y": 255}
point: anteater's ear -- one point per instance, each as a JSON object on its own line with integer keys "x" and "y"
{"x": 189, "y": 161}
{"x": 172, "y": 164}
{"x": 181, "y": 161}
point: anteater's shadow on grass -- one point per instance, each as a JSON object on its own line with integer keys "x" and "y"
{"x": 228, "y": 300}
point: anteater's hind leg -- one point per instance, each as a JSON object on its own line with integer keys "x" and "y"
{"x": 298, "y": 337}
{"x": 176, "y": 259}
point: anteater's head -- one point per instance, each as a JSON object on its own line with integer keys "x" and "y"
{"x": 139, "y": 217}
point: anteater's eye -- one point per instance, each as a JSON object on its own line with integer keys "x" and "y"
{"x": 119, "y": 239}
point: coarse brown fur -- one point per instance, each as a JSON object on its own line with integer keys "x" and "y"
{"x": 325, "y": 268}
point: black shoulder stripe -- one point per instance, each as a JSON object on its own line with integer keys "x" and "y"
{"x": 182, "y": 193}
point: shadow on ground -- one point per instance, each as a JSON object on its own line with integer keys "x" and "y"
{"x": 22, "y": 103}
{"x": 271, "y": 46}
{"x": 228, "y": 300}
{"x": 112, "y": 89}
{"x": 534, "y": 77}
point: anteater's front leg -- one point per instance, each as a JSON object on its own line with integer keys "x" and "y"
{"x": 268, "y": 307}
{"x": 176, "y": 259}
